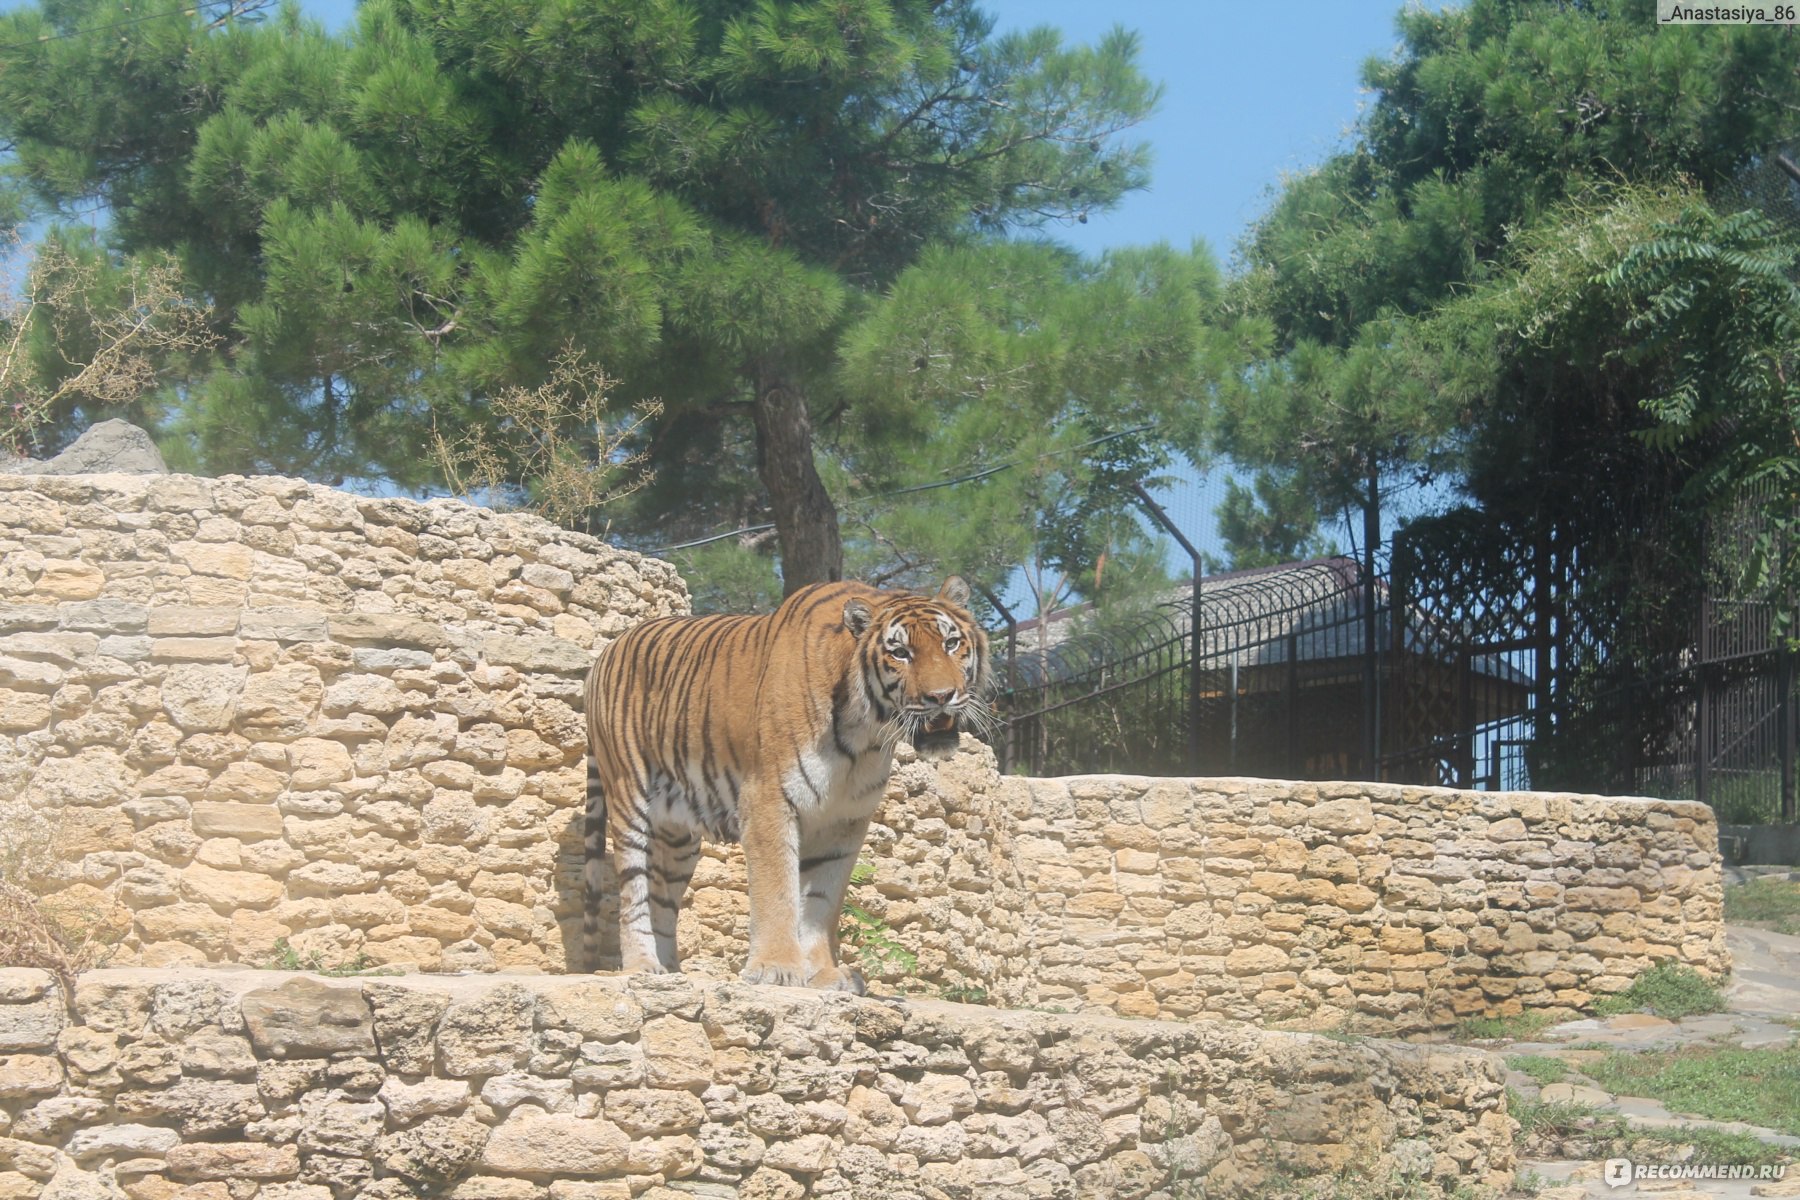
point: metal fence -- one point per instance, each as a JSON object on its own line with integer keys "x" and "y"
{"x": 1495, "y": 663}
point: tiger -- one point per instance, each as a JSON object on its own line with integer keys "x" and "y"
{"x": 778, "y": 731}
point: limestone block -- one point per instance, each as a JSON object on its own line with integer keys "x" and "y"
{"x": 23, "y": 1076}
{"x": 229, "y": 891}
{"x": 187, "y": 620}
{"x": 32, "y": 1025}
{"x": 385, "y": 629}
{"x": 69, "y": 580}
{"x": 677, "y": 1054}
{"x": 202, "y": 698}
{"x": 316, "y": 763}
{"x": 233, "y": 1160}
{"x": 280, "y": 702}
{"x": 375, "y": 695}
{"x": 246, "y": 822}
{"x": 650, "y": 1111}
{"x": 538, "y": 653}
{"x": 100, "y": 1141}
{"x": 331, "y": 1125}
{"x": 23, "y": 711}
{"x": 435, "y": 1152}
{"x": 408, "y": 1103}
{"x": 304, "y": 1018}
{"x": 488, "y": 1035}
{"x": 529, "y": 1143}
{"x": 194, "y": 650}
{"x": 202, "y": 1108}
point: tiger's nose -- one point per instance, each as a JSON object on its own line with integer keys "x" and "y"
{"x": 941, "y": 699}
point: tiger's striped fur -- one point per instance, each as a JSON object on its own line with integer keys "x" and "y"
{"x": 778, "y": 731}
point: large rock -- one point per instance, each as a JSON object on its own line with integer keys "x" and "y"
{"x": 304, "y": 1018}
{"x": 108, "y": 447}
{"x": 537, "y": 1144}
{"x": 487, "y": 1036}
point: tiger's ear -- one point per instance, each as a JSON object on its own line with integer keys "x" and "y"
{"x": 856, "y": 617}
{"x": 955, "y": 591}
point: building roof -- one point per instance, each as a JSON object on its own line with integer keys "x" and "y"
{"x": 1252, "y": 617}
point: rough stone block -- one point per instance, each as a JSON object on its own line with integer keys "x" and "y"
{"x": 304, "y": 1018}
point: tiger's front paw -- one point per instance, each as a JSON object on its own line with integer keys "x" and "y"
{"x": 839, "y": 979}
{"x": 763, "y": 971}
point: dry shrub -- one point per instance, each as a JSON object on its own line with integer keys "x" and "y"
{"x": 67, "y": 933}
{"x": 126, "y": 325}
{"x": 553, "y": 440}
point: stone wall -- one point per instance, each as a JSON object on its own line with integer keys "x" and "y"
{"x": 1369, "y": 907}
{"x": 238, "y": 711}
{"x": 256, "y": 1085}
{"x": 1354, "y": 905}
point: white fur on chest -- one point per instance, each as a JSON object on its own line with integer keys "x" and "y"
{"x": 827, "y": 787}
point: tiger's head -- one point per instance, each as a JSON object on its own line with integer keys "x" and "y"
{"x": 924, "y": 662}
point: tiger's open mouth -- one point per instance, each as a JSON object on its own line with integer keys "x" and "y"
{"x": 939, "y": 733}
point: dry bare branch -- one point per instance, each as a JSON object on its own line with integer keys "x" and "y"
{"x": 556, "y": 440}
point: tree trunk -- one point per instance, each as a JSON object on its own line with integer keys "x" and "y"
{"x": 806, "y": 521}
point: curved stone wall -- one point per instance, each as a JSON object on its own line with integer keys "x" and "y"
{"x": 244, "y": 712}
{"x": 238, "y": 711}
{"x": 1359, "y": 906}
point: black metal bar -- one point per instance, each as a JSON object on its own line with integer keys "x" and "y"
{"x": 1371, "y": 746}
{"x": 1291, "y": 690}
{"x": 1012, "y": 673}
{"x": 1157, "y": 514}
{"x": 1785, "y": 732}
{"x": 1465, "y": 722}
{"x": 1703, "y": 734}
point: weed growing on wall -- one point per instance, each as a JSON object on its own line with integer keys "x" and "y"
{"x": 874, "y": 941}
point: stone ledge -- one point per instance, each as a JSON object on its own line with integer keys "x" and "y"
{"x": 518, "y": 1086}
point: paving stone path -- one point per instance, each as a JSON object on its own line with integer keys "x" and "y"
{"x": 1763, "y": 1002}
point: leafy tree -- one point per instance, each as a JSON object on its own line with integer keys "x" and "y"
{"x": 699, "y": 195}
{"x": 1489, "y": 119}
{"x": 1048, "y": 385}
{"x": 1267, "y": 523}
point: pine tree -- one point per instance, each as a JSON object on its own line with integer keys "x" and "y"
{"x": 699, "y": 195}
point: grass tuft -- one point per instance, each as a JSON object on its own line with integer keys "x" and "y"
{"x": 1668, "y": 990}
{"x": 1767, "y": 904}
{"x": 1541, "y": 1067}
{"x": 1721, "y": 1083}
{"x": 1514, "y": 1028}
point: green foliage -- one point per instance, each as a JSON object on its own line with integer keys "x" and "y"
{"x": 1518, "y": 1027}
{"x": 1769, "y": 903}
{"x": 397, "y": 223}
{"x": 1268, "y": 523}
{"x": 1556, "y": 1130}
{"x": 1540, "y": 1067}
{"x": 875, "y": 944}
{"x": 284, "y": 957}
{"x": 1721, "y": 1083}
{"x": 1488, "y": 116}
{"x": 1049, "y": 384}
{"x": 1484, "y": 284}
{"x": 1668, "y": 990}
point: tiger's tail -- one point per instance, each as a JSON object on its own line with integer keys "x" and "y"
{"x": 593, "y": 852}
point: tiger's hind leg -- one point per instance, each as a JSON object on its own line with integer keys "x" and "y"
{"x": 672, "y": 862}
{"x": 632, "y": 858}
